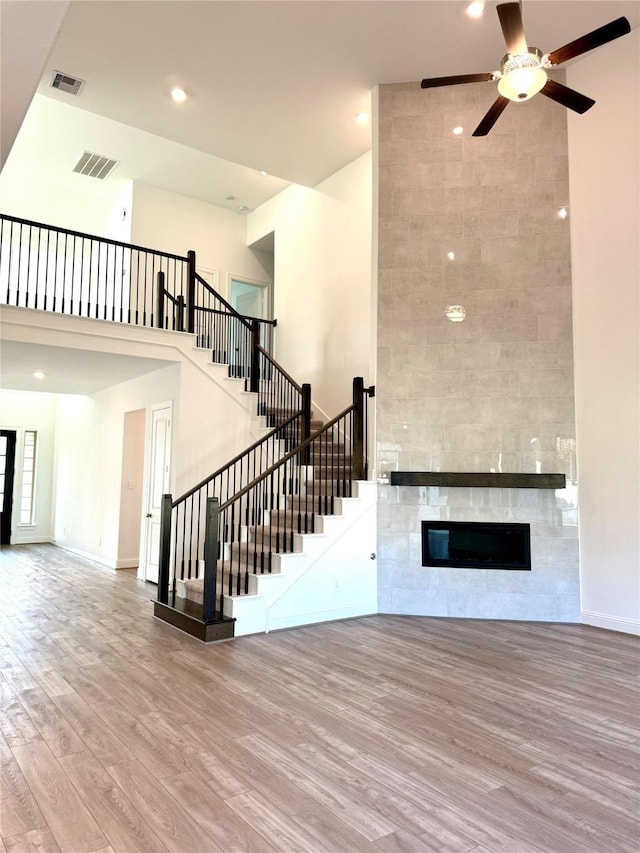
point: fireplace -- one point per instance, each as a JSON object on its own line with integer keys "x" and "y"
{"x": 472, "y": 545}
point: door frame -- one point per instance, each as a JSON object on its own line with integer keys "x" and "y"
{"x": 231, "y": 277}
{"x": 144, "y": 520}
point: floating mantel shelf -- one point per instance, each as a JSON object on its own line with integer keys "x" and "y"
{"x": 479, "y": 480}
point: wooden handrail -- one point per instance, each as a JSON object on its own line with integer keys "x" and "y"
{"x": 99, "y": 239}
{"x": 231, "y": 309}
{"x": 235, "y": 459}
{"x": 295, "y": 452}
{"x": 280, "y": 369}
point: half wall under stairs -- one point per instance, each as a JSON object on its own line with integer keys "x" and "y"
{"x": 331, "y": 573}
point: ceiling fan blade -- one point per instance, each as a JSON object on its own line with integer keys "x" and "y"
{"x": 433, "y": 82}
{"x": 567, "y": 97}
{"x": 609, "y": 32}
{"x": 495, "y": 111}
{"x": 510, "y": 15}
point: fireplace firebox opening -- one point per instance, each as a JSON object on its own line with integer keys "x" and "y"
{"x": 476, "y": 545}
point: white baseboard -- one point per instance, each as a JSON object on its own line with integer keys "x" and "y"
{"x": 128, "y": 563}
{"x": 612, "y": 623}
{"x": 88, "y": 555}
{"x": 31, "y": 540}
{"x": 311, "y": 617}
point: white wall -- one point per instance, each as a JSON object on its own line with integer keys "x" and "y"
{"x": 604, "y": 145}
{"x": 322, "y": 280}
{"x": 89, "y": 456}
{"x": 177, "y": 223}
{"x": 117, "y": 225}
{"x": 22, "y": 411}
{"x": 78, "y": 205}
{"x": 208, "y": 429}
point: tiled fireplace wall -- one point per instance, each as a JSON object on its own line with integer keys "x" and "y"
{"x": 474, "y": 222}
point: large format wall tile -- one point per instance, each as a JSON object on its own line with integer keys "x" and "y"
{"x": 474, "y": 222}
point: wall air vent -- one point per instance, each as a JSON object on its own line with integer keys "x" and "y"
{"x": 95, "y": 165}
{"x": 66, "y": 83}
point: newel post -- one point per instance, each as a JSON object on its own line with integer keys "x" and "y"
{"x": 210, "y": 560}
{"x": 178, "y": 314}
{"x": 357, "y": 439}
{"x": 254, "y": 371}
{"x": 306, "y": 421}
{"x": 191, "y": 291}
{"x": 160, "y": 300}
{"x": 165, "y": 549}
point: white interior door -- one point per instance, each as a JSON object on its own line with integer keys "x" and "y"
{"x": 159, "y": 471}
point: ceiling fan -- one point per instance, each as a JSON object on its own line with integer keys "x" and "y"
{"x": 523, "y": 72}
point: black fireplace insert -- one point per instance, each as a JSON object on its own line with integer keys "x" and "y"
{"x": 476, "y": 545}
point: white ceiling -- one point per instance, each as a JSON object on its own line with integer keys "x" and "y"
{"x": 274, "y": 86}
{"x": 65, "y": 373}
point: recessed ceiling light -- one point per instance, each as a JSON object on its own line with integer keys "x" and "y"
{"x": 563, "y": 213}
{"x": 242, "y": 208}
{"x": 263, "y": 173}
{"x": 179, "y": 95}
{"x": 362, "y": 118}
{"x": 230, "y": 197}
{"x": 475, "y": 10}
{"x": 451, "y": 256}
{"x": 38, "y": 374}
{"x": 458, "y": 130}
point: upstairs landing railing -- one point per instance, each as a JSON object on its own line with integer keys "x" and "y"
{"x": 234, "y": 536}
{"x": 69, "y": 272}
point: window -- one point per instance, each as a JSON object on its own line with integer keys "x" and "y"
{"x": 27, "y": 502}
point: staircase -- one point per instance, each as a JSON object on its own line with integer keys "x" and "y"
{"x": 278, "y": 526}
{"x": 239, "y": 545}
{"x": 309, "y": 533}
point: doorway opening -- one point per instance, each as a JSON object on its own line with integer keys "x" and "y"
{"x": 7, "y": 470}
{"x": 251, "y": 298}
{"x": 131, "y": 489}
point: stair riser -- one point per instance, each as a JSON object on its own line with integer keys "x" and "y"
{"x": 277, "y": 534}
{"x": 194, "y": 593}
{"x": 299, "y": 522}
{"x": 322, "y": 456}
{"x": 323, "y": 487}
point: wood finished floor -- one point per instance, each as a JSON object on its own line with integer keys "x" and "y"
{"x": 382, "y": 734}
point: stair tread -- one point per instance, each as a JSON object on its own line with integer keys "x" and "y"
{"x": 197, "y": 584}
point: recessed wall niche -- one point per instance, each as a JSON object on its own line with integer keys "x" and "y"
{"x": 474, "y": 222}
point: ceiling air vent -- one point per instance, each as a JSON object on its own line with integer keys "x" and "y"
{"x": 66, "y": 83}
{"x": 95, "y": 165}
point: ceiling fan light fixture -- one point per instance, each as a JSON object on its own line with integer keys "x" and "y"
{"x": 522, "y": 83}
